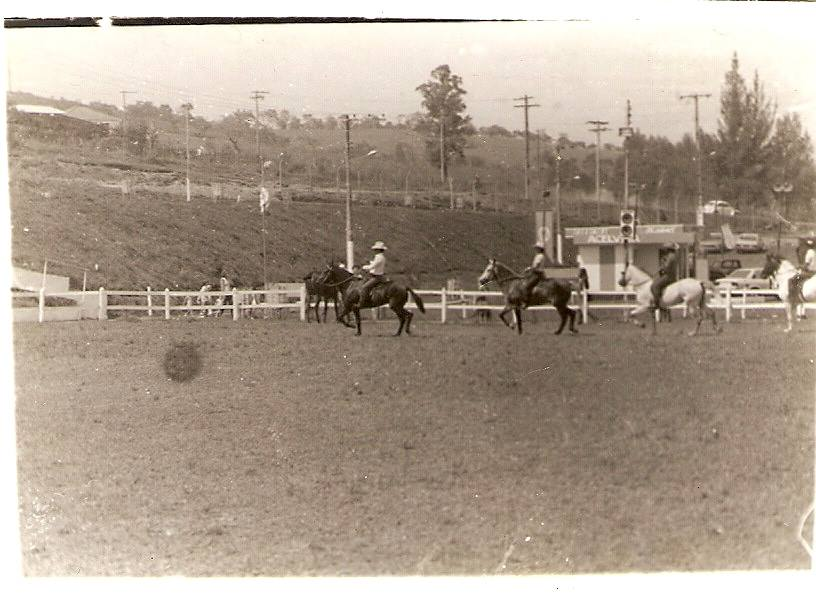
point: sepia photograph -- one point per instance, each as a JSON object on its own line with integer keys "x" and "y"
{"x": 395, "y": 295}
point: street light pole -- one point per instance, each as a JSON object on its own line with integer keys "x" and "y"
{"x": 349, "y": 241}
{"x": 781, "y": 189}
{"x": 187, "y": 108}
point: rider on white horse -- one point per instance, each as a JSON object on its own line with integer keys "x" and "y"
{"x": 668, "y": 275}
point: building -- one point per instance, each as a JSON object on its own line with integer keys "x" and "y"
{"x": 603, "y": 254}
{"x": 50, "y": 123}
{"x": 93, "y": 116}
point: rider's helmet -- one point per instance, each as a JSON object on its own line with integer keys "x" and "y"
{"x": 379, "y": 245}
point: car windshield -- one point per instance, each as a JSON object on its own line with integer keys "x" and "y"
{"x": 749, "y": 236}
{"x": 741, "y": 273}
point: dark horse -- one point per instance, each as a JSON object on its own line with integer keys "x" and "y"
{"x": 389, "y": 292}
{"x": 546, "y": 291}
{"x": 317, "y": 288}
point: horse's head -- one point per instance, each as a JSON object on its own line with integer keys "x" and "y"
{"x": 489, "y": 273}
{"x": 625, "y": 277}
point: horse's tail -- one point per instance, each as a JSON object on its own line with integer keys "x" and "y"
{"x": 417, "y": 299}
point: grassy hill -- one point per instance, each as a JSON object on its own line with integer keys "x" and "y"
{"x": 62, "y": 211}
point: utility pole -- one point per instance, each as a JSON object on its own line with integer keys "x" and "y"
{"x": 696, "y": 97}
{"x": 442, "y": 167}
{"x": 598, "y": 128}
{"x": 558, "y": 239}
{"x": 258, "y": 96}
{"x": 124, "y": 113}
{"x": 349, "y": 241}
{"x": 626, "y": 132}
{"x": 187, "y": 107}
{"x": 526, "y": 106}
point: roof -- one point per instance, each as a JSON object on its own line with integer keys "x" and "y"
{"x": 38, "y": 109}
{"x": 81, "y": 112}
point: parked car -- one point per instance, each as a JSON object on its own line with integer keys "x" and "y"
{"x": 749, "y": 242}
{"x": 719, "y": 207}
{"x": 744, "y": 278}
{"x": 712, "y": 246}
{"x": 727, "y": 266}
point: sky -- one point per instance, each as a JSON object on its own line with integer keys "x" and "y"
{"x": 575, "y": 71}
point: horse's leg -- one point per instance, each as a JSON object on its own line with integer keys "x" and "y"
{"x": 563, "y": 314}
{"x": 325, "y": 307}
{"x": 503, "y": 313}
{"x": 572, "y": 314}
{"x": 401, "y": 315}
{"x": 408, "y": 317}
{"x": 652, "y": 311}
{"x": 357, "y": 318}
{"x": 518, "y": 318}
{"x": 788, "y": 315}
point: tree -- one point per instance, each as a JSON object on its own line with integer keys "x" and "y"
{"x": 444, "y": 121}
{"x": 744, "y": 133}
{"x": 792, "y": 162}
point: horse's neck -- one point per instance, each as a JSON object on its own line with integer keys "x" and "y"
{"x": 504, "y": 275}
{"x": 637, "y": 276}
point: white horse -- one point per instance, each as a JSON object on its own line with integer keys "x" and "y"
{"x": 782, "y": 272}
{"x": 688, "y": 291}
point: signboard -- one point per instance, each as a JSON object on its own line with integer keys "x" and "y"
{"x": 544, "y": 227}
{"x": 645, "y": 234}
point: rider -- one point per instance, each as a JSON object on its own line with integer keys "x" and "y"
{"x": 535, "y": 273}
{"x": 376, "y": 271}
{"x": 668, "y": 274}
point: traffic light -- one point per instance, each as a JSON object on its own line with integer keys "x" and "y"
{"x": 628, "y": 224}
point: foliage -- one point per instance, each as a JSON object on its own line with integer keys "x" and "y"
{"x": 443, "y": 101}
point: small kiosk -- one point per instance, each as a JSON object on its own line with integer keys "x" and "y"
{"x": 603, "y": 254}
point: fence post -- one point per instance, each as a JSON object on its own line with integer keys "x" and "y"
{"x": 584, "y": 306}
{"x": 149, "y": 302}
{"x": 464, "y": 303}
{"x": 302, "y": 303}
{"x": 236, "y": 307}
{"x": 744, "y": 303}
{"x": 728, "y": 303}
{"x": 103, "y": 304}
{"x": 166, "y": 303}
{"x": 41, "y": 306}
{"x": 444, "y": 303}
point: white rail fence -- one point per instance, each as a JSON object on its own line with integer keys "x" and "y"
{"x": 245, "y": 303}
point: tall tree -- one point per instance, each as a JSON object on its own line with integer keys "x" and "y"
{"x": 792, "y": 163}
{"x": 744, "y": 133}
{"x": 444, "y": 121}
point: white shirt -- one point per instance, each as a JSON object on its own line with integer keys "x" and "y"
{"x": 376, "y": 266}
{"x": 810, "y": 260}
{"x": 538, "y": 262}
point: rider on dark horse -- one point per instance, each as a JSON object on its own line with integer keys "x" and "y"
{"x": 535, "y": 273}
{"x": 376, "y": 271}
{"x": 668, "y": 275}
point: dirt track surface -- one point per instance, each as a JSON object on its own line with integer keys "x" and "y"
{"x": 301, "y": 450}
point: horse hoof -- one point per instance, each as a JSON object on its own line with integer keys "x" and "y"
{"x": 692, "y": 334}
{"x": 573, "y": 331}
{"x": 557, "y": 332}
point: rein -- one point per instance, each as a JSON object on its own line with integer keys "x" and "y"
{"x": 513, "y": 274}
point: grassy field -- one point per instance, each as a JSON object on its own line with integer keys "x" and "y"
{"x": 300, "y": 450}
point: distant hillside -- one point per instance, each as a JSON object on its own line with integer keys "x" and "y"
{"x": 60, "y": 212}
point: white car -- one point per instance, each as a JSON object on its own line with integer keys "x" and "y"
{"x": 744, "y": 278}
{"x": 719, "y": 207}
{"x": 749, "y": 242}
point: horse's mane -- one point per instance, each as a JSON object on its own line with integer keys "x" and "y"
{"x": 501, "y": 264}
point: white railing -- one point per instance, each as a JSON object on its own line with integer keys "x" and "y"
{"x": 446, "y": 301}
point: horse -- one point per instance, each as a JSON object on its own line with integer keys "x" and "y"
{"x": 389, "y": 292}
{"x": 792, "y": 291}
{"x": 689, "y": 291}
{"x": 316, "y": 287}
{"x": 546, "y": 291}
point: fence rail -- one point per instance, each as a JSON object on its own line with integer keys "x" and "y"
{"x": 244, "y": 302}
